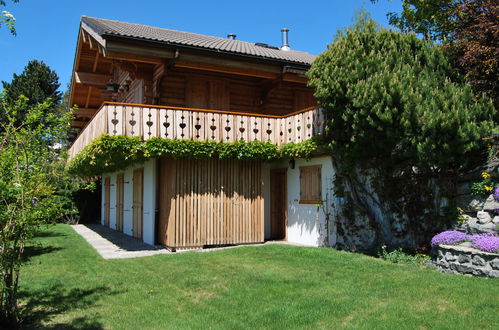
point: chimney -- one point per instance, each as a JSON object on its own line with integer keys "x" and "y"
{"x": 285, "y": 44}
{"x": 232, "y": 36}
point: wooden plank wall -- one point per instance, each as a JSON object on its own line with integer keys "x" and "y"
{"x": 184, "y": 88}
{"x": 210, "y": 202}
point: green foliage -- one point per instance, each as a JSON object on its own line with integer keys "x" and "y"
{"x": 305, "y": 149}
{"x": 7, "y": 18}
{"x": 468, "y": 29}
{"x": 395, "y": 100}
{"x": 37, "y": 83}
{"x": 485, "y": 186}
{"x": 398, "y": 256}
{"x": 114, "y": 153}
{"x": 27, "y": 187}
{"x": 431, "y": 18}
{"x": 107, "y": 154}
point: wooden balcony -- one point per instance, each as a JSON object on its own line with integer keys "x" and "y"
{"x": 147, "y": 121}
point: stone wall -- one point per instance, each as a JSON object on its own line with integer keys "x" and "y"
{"x": 466, "y": 260}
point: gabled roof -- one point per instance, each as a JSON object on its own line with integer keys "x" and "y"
{"x": 105, "y": 27}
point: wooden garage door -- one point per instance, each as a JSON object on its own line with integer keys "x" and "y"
{"x": 210, "y": 202}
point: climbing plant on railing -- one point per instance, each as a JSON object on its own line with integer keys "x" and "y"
{"x": 114, "y": 153}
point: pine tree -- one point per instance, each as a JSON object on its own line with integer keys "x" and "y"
{"x": 395, "y": 99}
{"x": 37, "y": 82}
{"x": 401, "y": 123}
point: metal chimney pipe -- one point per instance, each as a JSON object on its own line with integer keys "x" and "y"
{"x": 285, "y": 44}
{"x": 232, "y": 36}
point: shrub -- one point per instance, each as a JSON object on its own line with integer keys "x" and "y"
{"x": 400, "y": 257}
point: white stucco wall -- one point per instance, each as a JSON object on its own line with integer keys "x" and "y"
{"x": 306, "y": 223}
{"x": 149, "y": 204}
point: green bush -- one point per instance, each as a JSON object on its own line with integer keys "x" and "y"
{"x": 398, "y": 256}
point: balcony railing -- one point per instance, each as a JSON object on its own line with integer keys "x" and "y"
{"x": 147, "y": 121}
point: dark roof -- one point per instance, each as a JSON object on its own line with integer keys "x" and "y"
{"x": 105, "y": 27}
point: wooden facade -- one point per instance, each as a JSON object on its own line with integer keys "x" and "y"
{"x": 210, "y": 202}
{"x": 144, "y": 88}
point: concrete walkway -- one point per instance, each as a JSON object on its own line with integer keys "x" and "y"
{"x": 111, "y": 244}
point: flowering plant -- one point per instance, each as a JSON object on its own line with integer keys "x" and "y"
{"x": 486, "y": 186}
{"x": 488, "y": 242}
{"x": 449, "y": 237}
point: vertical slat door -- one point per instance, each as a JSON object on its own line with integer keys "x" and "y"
{"x": 107, "y": 201}
{"x": 210, "y": 202}
{"x": 120, "y": 192}
{"x": 138, "y": 202}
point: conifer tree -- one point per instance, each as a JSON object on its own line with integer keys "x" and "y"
{"x": 400, "y": 121}
{"x": 37, "y": 83}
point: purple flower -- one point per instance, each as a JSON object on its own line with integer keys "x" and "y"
{"x": 449, "y": 237}
{"x": 473, "y": 238}
{"x": 489, "y": 244}
{"x": 496, "y": 194}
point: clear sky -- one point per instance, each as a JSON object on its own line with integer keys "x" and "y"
{"x": 47, "y": 30}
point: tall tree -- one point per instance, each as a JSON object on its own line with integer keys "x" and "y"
{"x": 468, "y": 28}
{"x": 397, "y": 108}
{"x": 27, "y": 189}
{"x": 475, "y": 44}
{"x": 37, "y": 83}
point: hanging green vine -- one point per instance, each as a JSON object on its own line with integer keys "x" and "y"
{"x": 114, "y": 153}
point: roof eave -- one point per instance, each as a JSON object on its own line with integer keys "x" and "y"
{"x": 305, "y": 66}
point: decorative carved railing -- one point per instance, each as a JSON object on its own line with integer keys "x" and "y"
{"x": 146, "y": 121}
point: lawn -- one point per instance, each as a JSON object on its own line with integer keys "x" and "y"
{"x": 66, "y": 284}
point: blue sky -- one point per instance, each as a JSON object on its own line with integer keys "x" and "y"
{"x": 47, "y": 30}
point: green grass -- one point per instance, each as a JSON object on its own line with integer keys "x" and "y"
{"x": 66, "y": 284}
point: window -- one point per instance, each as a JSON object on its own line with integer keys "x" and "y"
{"x": 310, "y": 184}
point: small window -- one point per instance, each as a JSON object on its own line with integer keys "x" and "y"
{"x": 310, "y": 184}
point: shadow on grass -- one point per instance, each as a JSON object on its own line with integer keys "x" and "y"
{"x": 47, "y": 231}
{"x": 41, "y": 306}
{"x": 36, "y": 250}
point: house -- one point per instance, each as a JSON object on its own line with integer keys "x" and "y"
{"x": 137, "y": 80}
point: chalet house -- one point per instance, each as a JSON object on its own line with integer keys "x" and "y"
{"x": 138, "y": 80}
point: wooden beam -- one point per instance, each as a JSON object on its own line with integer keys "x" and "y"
{"x": 85, "y": 112}
{"x": 96, "y": 62}
{"x": 289, "y": 77}
{"x": 127, "y": 47}
{"x": 93, "y": 79}
{"x": 226, "y": 69}
{"x": 79, "y": 124}
{"x": 133, "y": 57}
{"x": 89, "y": 93}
